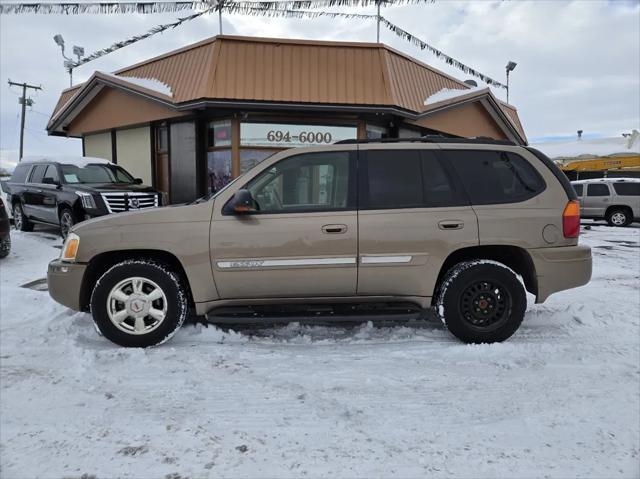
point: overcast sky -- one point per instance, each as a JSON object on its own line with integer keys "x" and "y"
{"x": 578, "y": 61}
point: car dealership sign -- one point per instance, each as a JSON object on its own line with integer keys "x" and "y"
{"x": 282, "y": 135}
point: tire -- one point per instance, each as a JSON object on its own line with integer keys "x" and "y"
{"x": 481, "y": 301}
{"x": 20, "y": 220}
{"x": 66, "y": 222}
{"x": 5, "y": 246}
{"x": 618, "y": 217}
{"x": 133, "y": 324}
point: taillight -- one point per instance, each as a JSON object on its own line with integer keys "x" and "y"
{"x": 571, "y": 220}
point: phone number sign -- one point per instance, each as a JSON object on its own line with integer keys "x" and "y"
{"x": 290, "y": 136}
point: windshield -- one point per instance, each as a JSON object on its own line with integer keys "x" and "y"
{"x": 95, "y": 174}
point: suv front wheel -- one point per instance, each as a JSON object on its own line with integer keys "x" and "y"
{"x": 139, "y": 303}
{"x": 481, "y": 301}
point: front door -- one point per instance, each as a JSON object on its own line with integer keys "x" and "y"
{"x": 303, "y": 240}
{"x": 412, "y": 216}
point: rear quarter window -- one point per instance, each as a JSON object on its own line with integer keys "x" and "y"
{"x": 578, "y": 189}
{"x": 20, "y": 174}
{"x": 627, "y": 189}
{"x": 494, "y": 177}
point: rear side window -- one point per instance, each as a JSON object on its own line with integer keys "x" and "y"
{"x": 578, "y": 189}
{"x": 37, "y": 174}
{"x": 392, "y": 179}
{"x": 406, "y": 179}
{"x": 20, "y": 174}
{"x": 493, "y": 177}
{"x": 597, "y": 190}
{"x": 627, "y": 189}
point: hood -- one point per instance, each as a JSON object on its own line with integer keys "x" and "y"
{"x": 92, "y": 187}
{"x": 168, "y": 214}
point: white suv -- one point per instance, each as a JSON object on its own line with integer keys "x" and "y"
{"x": 616, "y": 200}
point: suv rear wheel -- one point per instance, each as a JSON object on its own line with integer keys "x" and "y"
{"x": 481, "y": 301}
{"x": 618, "y": 217}
{"x": 139, "y": 303}
{"x": 20, "y": 220}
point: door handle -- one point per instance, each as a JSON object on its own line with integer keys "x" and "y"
{"x": 451, "y": 225}
{"x": 334, "y": 229}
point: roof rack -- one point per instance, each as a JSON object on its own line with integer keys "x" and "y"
{"x": 479, "y": 140}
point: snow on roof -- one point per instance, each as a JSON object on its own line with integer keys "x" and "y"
{"x": 592, "y": 148}
{"x": 447, "y": 94}
{"x": 152, "y": 84}
{"x": 80, "y": 161}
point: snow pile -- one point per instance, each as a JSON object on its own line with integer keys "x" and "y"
{"x": 559, "y": 399}
{"x": 592, "y": 148}
{"x": 80, "y": 161}
{"x": 152, "y": 84}
{"x": 448, "y": 94}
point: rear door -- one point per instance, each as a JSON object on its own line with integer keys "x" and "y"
{"x": 412, "y": 215}
{"x": 596, "y": 200}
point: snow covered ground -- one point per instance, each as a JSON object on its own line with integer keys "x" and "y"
{"x": 560, "y": 399}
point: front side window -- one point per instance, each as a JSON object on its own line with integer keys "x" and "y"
{"x": 627, "y": 189}
{"x": 74, "y": 174}
{"x": 52, "y": 174}
{"x": 310, "y": 182}
{"x": 37, "y": 173}
{"x": 597, "y": 190}
{"x": 494, "y": 177}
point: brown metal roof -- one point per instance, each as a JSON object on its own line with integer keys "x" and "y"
{"x": 231, "y": 68}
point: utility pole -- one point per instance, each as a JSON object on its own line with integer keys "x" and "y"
{"x": 24, "y": 101}
{"x": 378, "y": 22}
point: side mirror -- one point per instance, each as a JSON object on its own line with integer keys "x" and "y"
{"x": 50, "y": 181}
{"x": 241, "y": 203}
{"x": 138, "y": 181}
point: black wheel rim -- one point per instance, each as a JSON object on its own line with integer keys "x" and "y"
{"x": 66, "y": 222}
{"x": 485, "y": 305}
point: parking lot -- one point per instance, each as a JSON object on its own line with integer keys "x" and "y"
{"x": 561, "y": 398}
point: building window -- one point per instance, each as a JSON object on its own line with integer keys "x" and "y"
{"x": 218, "y": 169}
{"x": 219, "y": 134}
{"x": 288, "y": 135}
{"x": 375, "y": 132}
{"x": 162, "y": 139}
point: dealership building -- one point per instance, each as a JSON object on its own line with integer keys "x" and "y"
{"x": 192, "y": 119}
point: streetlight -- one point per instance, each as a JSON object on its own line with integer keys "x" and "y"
{"x": 68, "y": 62}
{"x": 510, "y": 67}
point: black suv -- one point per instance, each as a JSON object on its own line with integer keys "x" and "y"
{"x": 65, "y": 191}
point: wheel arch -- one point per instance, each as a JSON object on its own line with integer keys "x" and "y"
{"x": 75, "y": 208}
{"x": 100, "y": 263}
{"x": 618, "y": 207}
{"x": 516, "y": 258}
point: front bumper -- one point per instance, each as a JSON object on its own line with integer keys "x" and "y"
{"x": 64, "y": 281}
{"x": 561, "y": 268}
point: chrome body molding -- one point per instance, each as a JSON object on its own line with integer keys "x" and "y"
{"x": 269, "y": 263}
{"x": 256, "y": 263}
{"x": 385, "y": 259}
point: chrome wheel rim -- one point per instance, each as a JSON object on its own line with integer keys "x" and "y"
{"x": 66, "y": 222}
{"x": 618, "y": 218}
{"x": 17, "y": 217}
{"x": 137, "y": 305}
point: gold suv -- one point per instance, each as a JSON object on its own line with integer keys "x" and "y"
{"x": 461, "y": 226}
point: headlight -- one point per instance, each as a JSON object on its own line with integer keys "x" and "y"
{"x": 70, "y": 247}
{"x": 87, "y": 200}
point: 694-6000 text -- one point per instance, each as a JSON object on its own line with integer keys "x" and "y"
{"x": 277, "y": 136}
